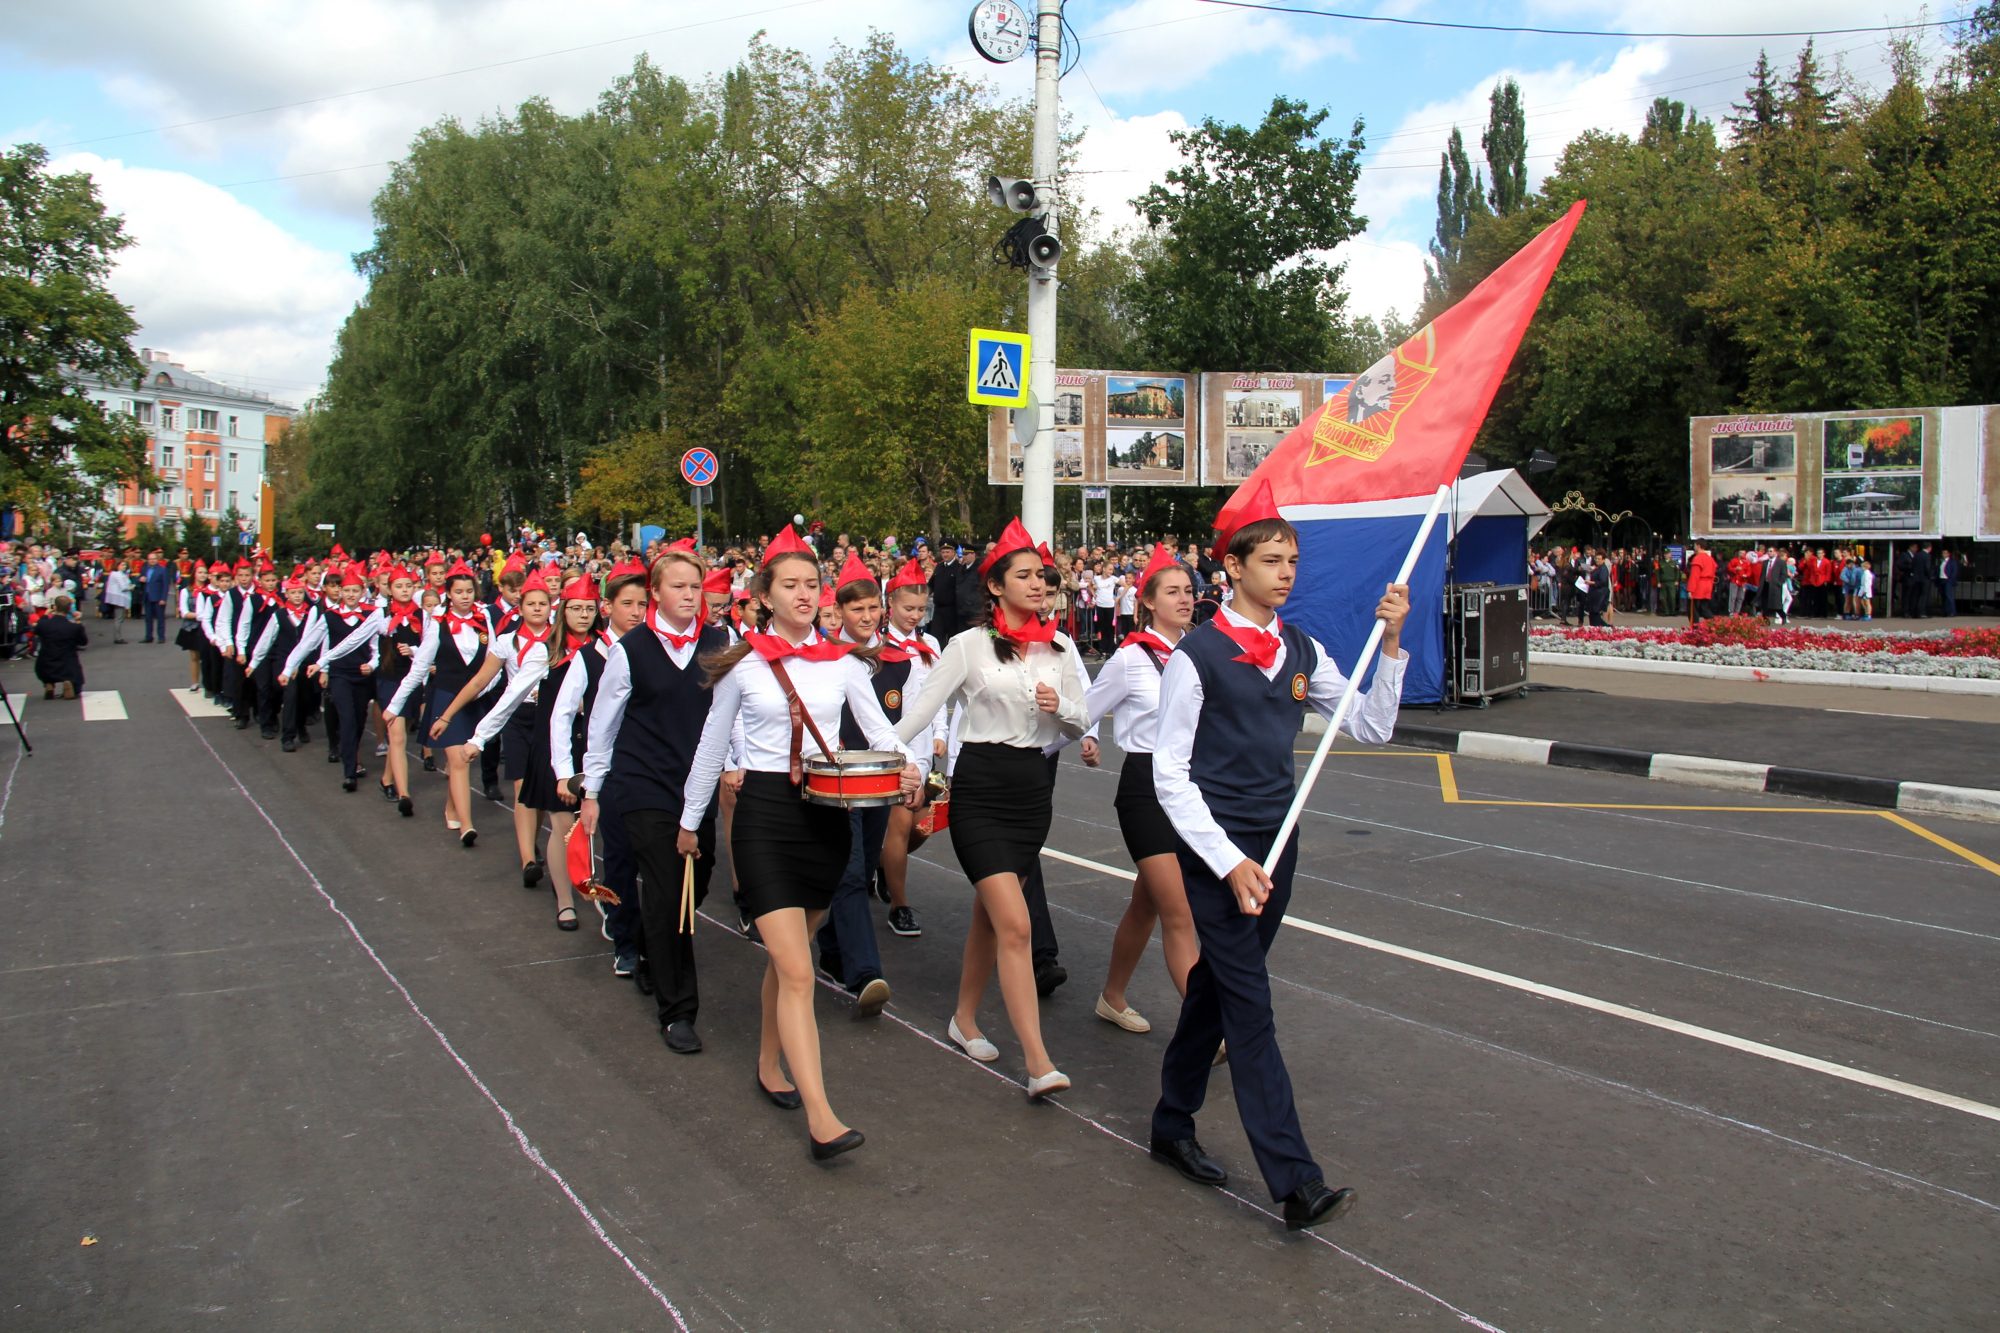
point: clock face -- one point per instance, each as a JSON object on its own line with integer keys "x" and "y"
{"x": 1000, "y": 30}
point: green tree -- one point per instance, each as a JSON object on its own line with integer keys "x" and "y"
{"x": 1506, "y": 145}
{"x": 1461, "y": 200}
{"x": 1229, "y": 278}
{"x": 58, "y": 449}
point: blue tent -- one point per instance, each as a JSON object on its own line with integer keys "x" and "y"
{"x": 1348, "y": 553}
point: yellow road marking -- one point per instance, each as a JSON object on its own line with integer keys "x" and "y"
{"x": 1965, "y": 853}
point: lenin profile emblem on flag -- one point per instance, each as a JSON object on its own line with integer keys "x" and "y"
{"x": 1360, "y": 421}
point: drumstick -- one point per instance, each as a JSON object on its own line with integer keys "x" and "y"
{"x": 687, "y": 895}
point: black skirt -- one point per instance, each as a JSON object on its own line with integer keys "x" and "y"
{"x": 1001, "y": 805}
{"x": 788, "y": 852}
{"x": 190, "y": 637}
{"x": 517, "y": 741}
{"x": 1147, "y": 830}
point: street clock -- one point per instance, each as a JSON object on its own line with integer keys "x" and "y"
{"x": 1000, "y": 30}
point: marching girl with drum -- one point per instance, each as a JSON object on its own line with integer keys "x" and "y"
{"x": 1128, "y": 688}
{"x": 1021, "y": 685}
{"x": 787, "y": 690}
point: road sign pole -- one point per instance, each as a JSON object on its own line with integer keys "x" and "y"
{"x": 1038, "y": 460}
{"x": 698, "y": 539}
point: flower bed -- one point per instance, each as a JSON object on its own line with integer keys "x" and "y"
{"x": 1745, "y": 641}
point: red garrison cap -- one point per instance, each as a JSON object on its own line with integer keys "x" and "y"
{"x": 1014, "y": 538}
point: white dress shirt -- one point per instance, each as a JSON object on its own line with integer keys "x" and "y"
{"x": 607, "y": 713}
{"x": 269, "y": 638}
{"x": 750, "y": 697}
{"x": 569, "y": 702}
{"x": 1372, "y": 720}
{"x": 365, "y": 634}
{"x": 997, "y": 699}
{"x": 523, "y": 679}
{"x": 310, "y": 641}
{"x": 1128, "y": 689}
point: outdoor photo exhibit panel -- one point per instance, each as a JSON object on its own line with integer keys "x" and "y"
{"x": 1822, "y": 475}
{"x": 1112, "y": 428}
{"x": 1244, "y": 416}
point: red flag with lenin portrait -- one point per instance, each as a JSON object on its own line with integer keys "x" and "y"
{"x": 1357, "y": 476}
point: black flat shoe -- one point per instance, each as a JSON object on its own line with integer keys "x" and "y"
{"x": 1048, "y": 977}
{"x": 492, "y": 793}
{"x": 788, "y": 1100}
{"x": 566, "y": 918}
{"x": 681, "y": 1038}
{"x": 289, "y": 747}
{"x": 348, "y": 784}
{"x": 333, "y": 757}
{"x": 826, "y": 1152}
{"x": 1186, "y": 1157}
{"x": 430, "y": 764}
{"x": 1313, "y": 1203}
{"x": 531, "y": 874}
{"x": 468, "y": 837}
{"x": 388, "y": 792}
{"x": 405, "y": 807}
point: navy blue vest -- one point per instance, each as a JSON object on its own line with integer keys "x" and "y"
{"x": 889, "y": 681}
{"x": 337, "y": 630}
{"x": 662, "y": 725}
{"x": 1242, "y": 761}
{"x": 453, "y": 671}
{"x": 394, "y": 666}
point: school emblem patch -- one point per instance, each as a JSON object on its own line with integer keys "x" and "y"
{"x": 1299, "y": 686}
{"x": 893, "y": 699}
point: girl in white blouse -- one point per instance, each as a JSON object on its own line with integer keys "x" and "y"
{"x": 523, "y": 653}
{"x": 1021, "y": 685}
{"x": 789, "y": 853}
{"x": 1128, "y": 688}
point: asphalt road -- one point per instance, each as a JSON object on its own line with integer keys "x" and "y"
{"x": 292, "y": 1061}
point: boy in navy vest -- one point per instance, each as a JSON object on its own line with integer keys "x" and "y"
{"x": 1231, "y": 703}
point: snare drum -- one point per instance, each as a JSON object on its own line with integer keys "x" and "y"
{"x": 855, "y": 778}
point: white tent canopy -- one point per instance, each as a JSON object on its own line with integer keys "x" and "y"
{"x": 1498, "y": 494}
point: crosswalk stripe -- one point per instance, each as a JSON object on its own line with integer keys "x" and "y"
{"x": 103, "y": 706}
{"x": 196, "y": 704}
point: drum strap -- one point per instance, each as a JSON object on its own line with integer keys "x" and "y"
{"x": 802, "y": 721}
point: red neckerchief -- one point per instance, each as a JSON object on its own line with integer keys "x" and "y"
{"x": 297, "y": 615}
{"x": 350, "y": 615}
{"x": 771, "y": 647}
{"x": 659, "y": 627}
{"x": 1145, "y": 638}
{"x": 1036, "y": 630}
{"x": 902, "y": 650}
{"x": 1260, "y": 646}
{"x": 409, "y": 613}
{"x": 525, "y": 638}
{"x": 270, "y": 599}
{"x": 209, "y": 590}
{"x": 475, "y": 622}
{"x": 507, "y": 616}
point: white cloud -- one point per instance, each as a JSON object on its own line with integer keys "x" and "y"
{"x": 218, "y": 284}
{"x": 1382, "y": 277}
{"x": 1155, "y": 46}
{"x": 1120, "y": 157}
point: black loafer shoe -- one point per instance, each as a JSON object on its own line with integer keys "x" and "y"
{"x": 1186, "y": 1157}
{"x": 531, "y": 874}
{"x": 289, "y": 747}
{"x": 826, "y": 1152}
{"x": 492, "y": 793}
{"x": 1048, "y": 977}
{"x": 1313, "y": 1203}
{"x": 787, "y": 1100}
{"x": 681, "y": 1038}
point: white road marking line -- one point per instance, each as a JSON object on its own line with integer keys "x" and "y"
{"x": 521, "y": 1140}
{"x": 1464, "y": 1317}
{"x": 1915, "y": 1091}
{"x": 103, "y": 706}
{"x": 1870, "y": 712}
{"x": 196, "y": 704}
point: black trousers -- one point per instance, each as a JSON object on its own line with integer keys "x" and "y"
{"x": 351, "y": 695}
{"x": 329, "y": 711}
{"x": 668, "y": 944}
{"x": 211, "y": 669}
{"x": 270, "y": 695}
{"x": 300, "y": 700}
{"x": 1229, "y": 996}
{"x": 236, "y": 690}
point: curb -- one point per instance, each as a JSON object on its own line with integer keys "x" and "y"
{"x": 1867, "y": 680}
{"x": 1696, "y": 770}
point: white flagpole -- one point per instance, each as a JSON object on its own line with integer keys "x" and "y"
{"x": 1346, "y": 705}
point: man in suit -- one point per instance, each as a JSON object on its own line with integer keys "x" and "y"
{"x": 1947, "y": 582}
{"x": 1917, "y": 579}
{"x": 159, "y": 589}
{"x": 944, "y": 597}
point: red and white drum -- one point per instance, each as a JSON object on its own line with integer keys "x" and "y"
{"x": 855, "y": 778}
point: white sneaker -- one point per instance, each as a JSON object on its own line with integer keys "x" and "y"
{"x": 382, "y": 750}
{"x": 978, "y": 1048}
{"x": 1053, "y": 1081}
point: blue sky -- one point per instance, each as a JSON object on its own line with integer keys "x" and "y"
{"x": 247, "y": 223}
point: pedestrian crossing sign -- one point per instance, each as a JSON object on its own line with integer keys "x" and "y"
{"x": 997, "y": 371}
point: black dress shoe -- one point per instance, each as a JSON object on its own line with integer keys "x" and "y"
{"x": 348, "y": 784}
{"x": 388, "y": 792}
{"x": 1313, "y": 1203}
{"x": 681, "y": 1038}
{"x": 430, "y": 764}
{"x": 268, "y": 733}
{"x": 333, "y": 756}
{"x": 1048, "y": 976}
{"x": 1186, "y": 1157}
{"x": 788, "y": 1100}
{"x": 492, "y": 793}
{"x": 242, "y": 723}
{"x": 531, "y": 874}
{"x": 826, "y": 1152}
{"x": 405, "y": 807}
{"x": 289, "y": 747}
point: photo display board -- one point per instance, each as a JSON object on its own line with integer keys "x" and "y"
{"x": 1245, "y": 415}
{"x": 1989, "y": 474}
{"x": 1829, "y": 475}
